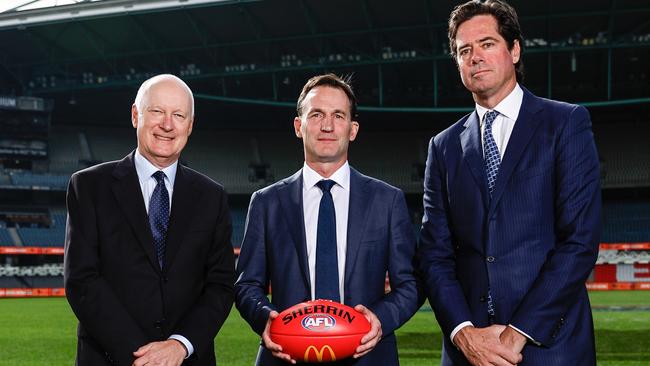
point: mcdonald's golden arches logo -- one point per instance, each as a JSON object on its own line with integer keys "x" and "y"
{"x": 319, "y": 353}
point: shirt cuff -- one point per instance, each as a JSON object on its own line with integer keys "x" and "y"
{"x": 524, "y": 334}
{"x": 458, "y": 328}
{"x": 188, "y": 346}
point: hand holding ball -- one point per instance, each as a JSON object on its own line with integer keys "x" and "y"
{"x": 319, "y": 331}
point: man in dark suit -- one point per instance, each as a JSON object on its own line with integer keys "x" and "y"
{"x": 512, "y": 205}
{"x": 149, "y": 268}
{"x": 285, "y": 243}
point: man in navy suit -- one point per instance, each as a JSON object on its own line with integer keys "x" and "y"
{"x": 511, "y": 210}
{"x": 283, "y": 246}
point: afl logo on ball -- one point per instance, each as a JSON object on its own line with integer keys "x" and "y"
{"x": 318, "y": 322}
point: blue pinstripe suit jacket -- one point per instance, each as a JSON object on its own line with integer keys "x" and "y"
{"x": 534, "y": 243}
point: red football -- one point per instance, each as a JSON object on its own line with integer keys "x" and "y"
{"x": 319, "y": 331}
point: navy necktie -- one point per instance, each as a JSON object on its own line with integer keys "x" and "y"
{"x": 492, "y": 163}
{"x": 491, "y": 151}
{"x": 159, "y": 215}
{"x": 327, "y": 268}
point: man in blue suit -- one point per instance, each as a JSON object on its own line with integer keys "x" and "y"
{"x": 511, "y": 210}
{"x": 287, "y": 232}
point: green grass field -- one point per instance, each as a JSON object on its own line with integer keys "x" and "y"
{"x": 42, "y": 332}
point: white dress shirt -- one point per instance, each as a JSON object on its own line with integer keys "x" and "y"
{"x": 148, "y": 183}
{"x": 311, "y": 196}
{"x": 502, "y": 128}
{"x": 503, "y": 125}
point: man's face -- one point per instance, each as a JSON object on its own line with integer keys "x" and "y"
{"x": 164, "y": 124}
{"x": 325, "y": 126}
{"x": 486, "y": 65}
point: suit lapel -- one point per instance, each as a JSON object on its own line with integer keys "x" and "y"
{"x": 126, "y": 189}
{"x": 290, "y": 195}
{"x": 524, "y": 129}
{"x": 470, "y": 141}
{"x": 181, "y": 214}
{"x": 358, "y": 213}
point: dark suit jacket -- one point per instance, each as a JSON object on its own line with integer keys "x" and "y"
{"x": 380, "y": 238}
{"x": 534, "y": 243}
{"x": 113, "y": 281}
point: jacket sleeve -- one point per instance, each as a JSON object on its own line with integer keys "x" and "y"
{"x": 203, "y": 321}
{"x": 398, "y": 306}
{"x": 577, "y": 229}
{"x": 93, "y": 301}
{"x": 436, "y": 257}
{"x": 251, "y": 287}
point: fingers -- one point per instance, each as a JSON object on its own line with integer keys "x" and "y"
{"x": 506, "y": 356}
{"x": 497, "y": 329}
{"x": 375, "y": 329}
{"x": 267, "y": 342}
{"x": 266, "y": 335}
{"x": 283, "y": 356}
{"x": 142, "y": 350}
{"x": 482, "y": 346}
{"x": 370, "y": 339}
{"x": 166, "y": 353}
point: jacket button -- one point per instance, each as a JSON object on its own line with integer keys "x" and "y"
{"x": 490, "y": 259}
{"x": 482, "y": 299}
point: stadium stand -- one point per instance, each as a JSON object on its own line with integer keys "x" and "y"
{"x": 40, "y": 181}
{"x": 109, "y": 143}
{"x": 626, "y": 222}
{"x": 5, "y": 238}
{"x": 64, "y": 150}
{"x": 239, "y": 139}
{"x": 625, "y": 156}
{"x": 238, "y": 223}
{"x": 228, "y": 156}
{"x": 42, "y": 237}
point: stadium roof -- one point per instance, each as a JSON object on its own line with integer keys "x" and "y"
{"x": 22, "y": 5}
{"x": 261, "y": 51}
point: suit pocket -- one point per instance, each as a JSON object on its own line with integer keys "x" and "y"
{"x": 525, "y": 174}
{"x": 374, "y": 235}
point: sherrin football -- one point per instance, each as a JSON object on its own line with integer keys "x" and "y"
{"x": 319, "y": 331}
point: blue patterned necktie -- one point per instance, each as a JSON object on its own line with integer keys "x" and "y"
{"x": 492, "y": 163}
{"x": 159, "y": 215}
{"x": 491, "y": 151}
{"x": 327, "y": 268}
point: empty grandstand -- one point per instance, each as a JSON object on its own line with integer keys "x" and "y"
{"x": 68, "y": 76}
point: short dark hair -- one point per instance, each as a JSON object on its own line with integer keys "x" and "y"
{"x": 507, "y": 20}
{"x": 333, "y": 81}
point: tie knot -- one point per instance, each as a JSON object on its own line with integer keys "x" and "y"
{"x": 325, "y": 185}
{"x": 159, "y": 176}
{"x": 489, "y": 117}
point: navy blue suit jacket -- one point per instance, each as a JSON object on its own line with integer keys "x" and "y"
{"x": 380, "y": 239}
{"x": 534, "y": 243}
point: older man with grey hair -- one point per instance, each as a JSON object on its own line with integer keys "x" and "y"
{"x": 149, "y": 267}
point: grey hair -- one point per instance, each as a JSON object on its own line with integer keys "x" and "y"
{"x": 144, "y": 88}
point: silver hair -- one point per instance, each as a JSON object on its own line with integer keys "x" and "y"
{"x": 144, "y": 88}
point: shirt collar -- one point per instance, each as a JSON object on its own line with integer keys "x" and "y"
{"x": 145, "y": 169}
{"x": 341, "y": 176}
{"x": 509, "y": 107}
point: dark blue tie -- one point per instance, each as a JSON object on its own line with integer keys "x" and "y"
{"x": 327, "y": 268}
{"x": 492, "y": 163}
{"x": 159, "y": 215}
